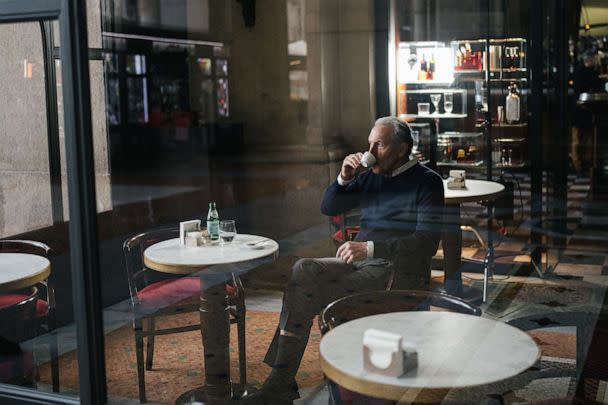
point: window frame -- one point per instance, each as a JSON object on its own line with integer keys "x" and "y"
{"x": 86, "y": 280}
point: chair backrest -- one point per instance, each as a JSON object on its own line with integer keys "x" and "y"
{"x": 137, "y": 273}
{"x": 380, "y": 302}
{"x": 24, "y": 246}
{"x": 17, "y": 321}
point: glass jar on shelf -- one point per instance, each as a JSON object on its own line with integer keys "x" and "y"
{"x": 460, "y": 148}
{"x": 512, "y": 105}
{"x": 508, "y": 152}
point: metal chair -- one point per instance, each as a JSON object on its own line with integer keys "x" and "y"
{"x": 380, "y": 302}
{"x": 45, "y": 306}
{"x": 155, "y": 294}
{"x": 17, "y": 321}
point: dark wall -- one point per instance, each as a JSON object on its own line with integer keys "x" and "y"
{"x": 447, "y": 20}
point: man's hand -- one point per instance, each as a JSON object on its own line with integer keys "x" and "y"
{"x": 350, "y": 165}
{"x": 352, "y": 251}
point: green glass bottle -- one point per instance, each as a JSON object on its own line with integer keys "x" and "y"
{"x": 213, "y": 222}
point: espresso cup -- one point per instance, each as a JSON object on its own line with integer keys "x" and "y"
{"x": 368, "y": 159}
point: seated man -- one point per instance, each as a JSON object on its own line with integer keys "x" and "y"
{"x": 401, "y": 204}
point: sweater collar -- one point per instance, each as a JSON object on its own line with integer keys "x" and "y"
{"x": 409, "y": 164}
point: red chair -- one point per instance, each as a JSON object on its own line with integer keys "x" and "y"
{"x": 17, "y": 320}
{"x": 45, "y": 307}
{"x": 155, "y": 294}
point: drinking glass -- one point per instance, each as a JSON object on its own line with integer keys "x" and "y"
{"x": 448, "y": 102}
{"x": 227, "y": 230}
{"x": 423, "y": 108}
{"x": 416, "y": 138}
{"x": 435, "y": 99}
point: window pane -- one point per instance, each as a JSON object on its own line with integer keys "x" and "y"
{"x": 33, "y": 187}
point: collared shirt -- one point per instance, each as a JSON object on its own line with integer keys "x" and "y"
{"x": 401, "y": 169}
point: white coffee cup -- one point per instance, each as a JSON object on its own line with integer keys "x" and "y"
{"x": 368, "y": 159}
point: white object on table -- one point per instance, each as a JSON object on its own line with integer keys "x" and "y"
{"x": 187, "y": 226}
{"x": 454, "y": 351}
{"x": 20, "y": 270}
{"x": 456, "y": 180}
{"x": 386, "y": 353}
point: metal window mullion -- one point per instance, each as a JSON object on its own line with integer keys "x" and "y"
{"x": 560, "y": 183}
{"x": 86, "y": 280}
{"x": 535, "y": 124}
{"x": 50, "y": 85}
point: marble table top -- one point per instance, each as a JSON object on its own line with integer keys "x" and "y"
{"x": 476, "y": 190}
{"x": 19, "y": 270}
{"x": 454, "y": 351}
{"x": 170, "y": 256}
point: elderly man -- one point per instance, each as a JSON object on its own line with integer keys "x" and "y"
{"x": 401, "y": 204}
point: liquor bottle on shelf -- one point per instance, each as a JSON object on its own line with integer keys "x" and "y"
{"x": 512, "y": 105}
{"x": 431, "y": 72}
{"x": 213, "y": 223}
{"x": 422, "y": 74}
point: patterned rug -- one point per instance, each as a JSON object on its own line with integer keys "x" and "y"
{"x": 178, "y": 360}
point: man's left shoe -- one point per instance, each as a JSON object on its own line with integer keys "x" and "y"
{"x": 273, "y": 394}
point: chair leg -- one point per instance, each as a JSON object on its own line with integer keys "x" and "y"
{"x": 139, "y": 353}
{"x": 240, "y": 328}
{"x": 150, "y": 345}
{"x": 54, "y": 353}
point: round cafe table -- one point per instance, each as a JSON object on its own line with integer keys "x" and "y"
{"x": 480, "y": 191}
{"x": 215, "y": 264}
{"x": 20, "y": 270}
{"x": 477, "y": 351}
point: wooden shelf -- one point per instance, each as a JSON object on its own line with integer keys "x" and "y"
{"x": 433, "y": 116}
{"x": 457, "y": 164}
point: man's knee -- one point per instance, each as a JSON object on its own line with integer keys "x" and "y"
{"x": 303, "y": 271}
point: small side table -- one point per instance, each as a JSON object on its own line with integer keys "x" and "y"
{"x": 20, "y": 270}
{"x": 214, "y": 262}
{"x": 480, "y": 191}
{"x": 477, "y": 351}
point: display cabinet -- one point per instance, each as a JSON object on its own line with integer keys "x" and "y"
{"x": 452, "y": 85}
{"x": 498, "y": 79}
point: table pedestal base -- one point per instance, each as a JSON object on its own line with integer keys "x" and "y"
{"x": 200, "y": 396}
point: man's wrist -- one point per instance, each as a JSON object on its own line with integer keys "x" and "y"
{"x": 343, "y": 182}
{"x": 370, "y": 249}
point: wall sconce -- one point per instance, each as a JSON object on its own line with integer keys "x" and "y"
{"x": 248, "y": 7}
{"x": 28, "y": 69}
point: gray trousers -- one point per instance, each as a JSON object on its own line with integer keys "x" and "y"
{"x": 315, "y": 283}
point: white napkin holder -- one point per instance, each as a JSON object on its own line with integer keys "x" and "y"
{"x": 456, "y": 181}
{"x": 194, "y": 238}
{"x": 188, "y": 226}
{"x": 387, "y": 354}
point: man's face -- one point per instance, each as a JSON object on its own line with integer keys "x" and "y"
{"x": 389, "y": 155}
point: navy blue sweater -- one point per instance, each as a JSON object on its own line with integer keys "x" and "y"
{"x": 402, "y": 215}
